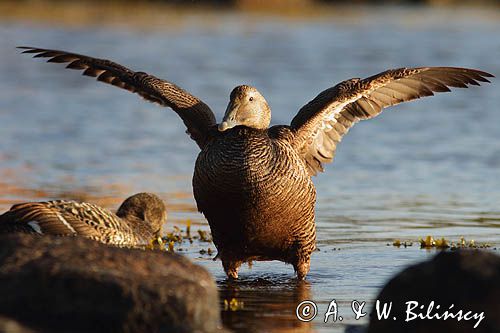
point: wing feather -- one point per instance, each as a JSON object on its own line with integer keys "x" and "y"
{"x": 195, "y": 114}
{"x": 58, "y": 217}
{"x": 320, "y": 125}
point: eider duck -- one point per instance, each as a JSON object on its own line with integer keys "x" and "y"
{"x": 253, "y": 182}
{"x": 138, "y": 221}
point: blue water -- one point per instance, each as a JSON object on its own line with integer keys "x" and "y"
{"x": 430, "y": 167}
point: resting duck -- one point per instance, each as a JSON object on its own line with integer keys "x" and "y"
{"x": 138, "y": 221}
{"x": 253, "y": 182}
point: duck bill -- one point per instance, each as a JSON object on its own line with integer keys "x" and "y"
{"x": 229, "y": 120}
{"x": 225, "y": 125}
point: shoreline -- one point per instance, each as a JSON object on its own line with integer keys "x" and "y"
{"x": 151, "y": 16}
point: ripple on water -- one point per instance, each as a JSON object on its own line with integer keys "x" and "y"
{"x": 430, "y": 169}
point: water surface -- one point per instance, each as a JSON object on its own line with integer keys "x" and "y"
{"x": 429, "y": 167}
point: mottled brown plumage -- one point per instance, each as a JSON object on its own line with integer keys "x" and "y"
{"x": 259, "y": 199}
{"x": 138, "y": 220}
{"x": 253, "y": 183}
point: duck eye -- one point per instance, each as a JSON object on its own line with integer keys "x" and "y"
{"x": 250, "y": 99}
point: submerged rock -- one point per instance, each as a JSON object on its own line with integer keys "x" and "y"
{"x": 78, "y": 284}
{"x": 463, "y": 285}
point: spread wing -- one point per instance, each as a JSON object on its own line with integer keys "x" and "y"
{"x": 320, "y": 125}
{"x": 195, "y": 114}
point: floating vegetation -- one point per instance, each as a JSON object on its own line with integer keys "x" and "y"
{"x": 172, "y": 241}
{"x": 471, "y": 244}
{"x": 443, "y": 243}
{"x": 208, "y": 251}
{"x": 204, "y": 236}
{"x": 398, "y": 243}
{"x": 233, "y": 305}
{"x": 429, "y": 242}
{"x": 178, "y": 235}
{"x": 174, "y": 236}
{"x": 188, "y": 228}
{"x": 171, "y": 246}
{"x": 156, "y": 244}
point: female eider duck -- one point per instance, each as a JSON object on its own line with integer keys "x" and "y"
{"x": 253, "y": 183}
{"x": 138, "y": 221}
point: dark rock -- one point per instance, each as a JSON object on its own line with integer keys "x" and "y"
{"x": 9, "y": 325}
{"x": 468, "y": 279}
{"x": 78, "y": 284}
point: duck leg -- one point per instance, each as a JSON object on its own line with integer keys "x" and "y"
{"x": 231, "y": 267}
{"x": 302, "y": 267}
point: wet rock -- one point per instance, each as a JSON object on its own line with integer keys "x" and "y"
{"x": 468, "y": 279}
{"x": 76, "y": 284}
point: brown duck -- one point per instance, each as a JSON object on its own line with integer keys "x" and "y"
{"x": 137, "y": 222}
{"x": 253, "y": 183}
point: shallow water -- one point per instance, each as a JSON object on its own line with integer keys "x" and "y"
{"x": 430, "y": 169}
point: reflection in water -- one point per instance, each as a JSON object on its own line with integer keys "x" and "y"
{"x": 268, "y": 303}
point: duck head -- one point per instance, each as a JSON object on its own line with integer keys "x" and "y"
{"x": 246, "y": 107}
{"x": 146, "y": 208}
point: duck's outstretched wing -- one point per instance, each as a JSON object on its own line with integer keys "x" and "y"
{"x": 320, "y": 125}
{"x": 196, "y": 115}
